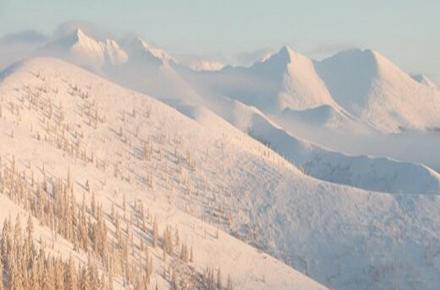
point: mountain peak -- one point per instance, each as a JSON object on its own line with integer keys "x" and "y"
{"x": 281, "y": 58}
{"x": 286, "y": 54}
{"x": 79, "y": 33}
{"x": 76, "y": 39}
{"x": 356, "y": 59}
{"x": 84, "y": 50}
{"x": 138, "y": 45}
{"x": 138, "y": 42}
{"x": 79, "y": 36}
{"x": 287, "y": 50}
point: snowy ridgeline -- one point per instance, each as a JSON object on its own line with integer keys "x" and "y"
{"x": 135, "y": 175}
{"x": 359, "y": 86}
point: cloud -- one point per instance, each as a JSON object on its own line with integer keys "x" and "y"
{"x": 23, "y": 37}
{"x": 16, "y": 46}
{"x": 198, "y": 62}
{"x": 10, "y": 54}
{"x": 435, "y": 78}
{"x": 88, "y": 27}
{"x": 326, "y": 49}
{"x": 248, "y": 58}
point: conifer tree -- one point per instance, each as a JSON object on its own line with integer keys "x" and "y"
{"x": 219, "y": 279}
{"x": 191, "y": 255}
{"x": 30, "y": 228}
{"x": 155, "y": 233}
{"x": 229, "y": 283}
{"x": 70, "y": 276}
{"x": 1, "y": 277}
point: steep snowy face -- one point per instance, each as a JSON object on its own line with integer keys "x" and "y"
{"x": 348, "y": 77}
{"x": 86, "y": 51}
{"x": 302, "y": 88}
{"x": 113, "y": 53}
{"x": 372, "y": 88}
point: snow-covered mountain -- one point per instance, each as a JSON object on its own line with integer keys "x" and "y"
{"x": 121, "y": 147}
{"x": 289, "y": 91}
{"x": 375, "y": 90}
{"x": 86, "y": 51}
{"x": 140, "y": 50}
{"x": 355, "y": 87}
{"x": 285, "y": 79}
{"x": 189, "y": 172}
{"x": 146, "y": 169}
{"x": 366, "y": 172}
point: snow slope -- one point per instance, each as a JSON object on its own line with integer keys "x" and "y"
{"x": 70, "y": 93}
{"x": 343, "y": 237}
{"x": 371, "y": 173}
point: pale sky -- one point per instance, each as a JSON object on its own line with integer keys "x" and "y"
{"x": 406, "y": 31}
